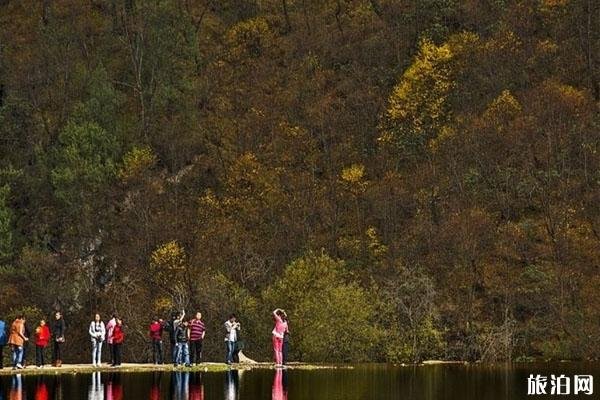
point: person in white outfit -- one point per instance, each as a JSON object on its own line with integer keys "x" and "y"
{"x": 97, "y": 334}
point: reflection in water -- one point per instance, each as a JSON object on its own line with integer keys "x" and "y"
{"x": 96, "y": 389}
{"x": 232, "y": 381}
{"x": 16, "y": 388}
{"x": 41, "y": 390}
{"x": 180, "y": 385}
{"x": 156, "y": 385}
{"x": 57, "y": 393}
{"x": 114, "y": 389}
{"x": 280, "y": 387}
{"x": 196, "y": 387}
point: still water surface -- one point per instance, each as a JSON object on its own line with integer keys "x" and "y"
{"x": 453, "y": 382}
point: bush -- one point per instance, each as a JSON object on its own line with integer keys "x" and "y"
{"x": 331, "y": 316}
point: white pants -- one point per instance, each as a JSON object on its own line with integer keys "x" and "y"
{"x": 96, "y": 352}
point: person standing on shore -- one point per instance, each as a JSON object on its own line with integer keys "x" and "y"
{"x": 26, "y": 344}
{"x": 176, "y": 320}
{"x": 286, "y": 340}
{"x": 17, "y": 339}
{"x": 182, "y": 336}
{"x": 278, "y": 333}
{"x": 118, "y": 339}
{"x": 42, "y": 339}
{"x": 97, "y": 333}
{"x": 197, "y": 332}
{"x": 110, "y": 326}
{"x": 156, "y": 333}
{"x": 3, "y": 341}
{"x": 232, "y": 326}
{"x": 58, "y": 336}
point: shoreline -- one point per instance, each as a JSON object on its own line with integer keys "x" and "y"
{"x": 222, "y": 367}
{"x": 135, "y": 367}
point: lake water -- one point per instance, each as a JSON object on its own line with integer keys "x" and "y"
{"x": 460, "y": 382}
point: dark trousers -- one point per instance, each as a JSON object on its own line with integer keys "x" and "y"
{"x": 285, "y": 350}
{"x": 39, "y": 356}
{"x": 117, "y": 352}
{"x": 173, "y": 352}
{"x": 111, "y": 351}
{"x": 196, "y": 351}
{"x": 25, "y": 348}
{"x": 157, "y": 352}
{"x": 56, "y": 351}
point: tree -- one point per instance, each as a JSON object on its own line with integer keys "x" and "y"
{"x": 320, "y": 300}
{"x": 6, "y": 229}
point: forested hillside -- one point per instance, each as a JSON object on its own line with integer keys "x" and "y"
{"x": 409, "y": 179}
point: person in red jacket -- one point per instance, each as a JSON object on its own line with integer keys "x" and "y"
{"x": 42, "y": 339}
{"x": 156, "y": 332}
{"x": 118, "y": 339}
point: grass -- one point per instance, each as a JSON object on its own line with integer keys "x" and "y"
{"x": 136, "y": 368}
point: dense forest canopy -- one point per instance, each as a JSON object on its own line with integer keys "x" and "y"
{"x": 409, "y": 179}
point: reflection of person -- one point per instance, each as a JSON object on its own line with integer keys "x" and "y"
{"x": 279, "y": 391}
{"x": 97, "y": 333}
{"x": 41, "y": 391}
{"x": 180, "y": 384}
{"x": 231, "y": 384}
{"x": 114, "y": 389}
{"x": 232, "y": 327}
{"x": 16, "y": 388}
{"x": 155, "y": 388}
{"x": 96, "y": 389}
{"x": 278, "y": 334}
{"x": 57, "y": 392}
{"x": 196, "y": 387}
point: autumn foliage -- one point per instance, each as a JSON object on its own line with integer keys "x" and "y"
{"x": 408, "y": 179}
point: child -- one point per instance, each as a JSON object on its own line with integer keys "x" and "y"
{"x": 42, "y": 339}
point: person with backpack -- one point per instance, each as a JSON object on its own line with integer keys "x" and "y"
{"x": 197, "y": 332}
{"x": 3, "y": 341}
{"x": 118, "y": 340}
{"x": 97, "y": 333}
{"x": 16, "y": 340}
{"x": 42, "y": 339}
{"x": 58, "y": 338}
{"x": 232, "y": 327}
{"x": 156, "y": 333}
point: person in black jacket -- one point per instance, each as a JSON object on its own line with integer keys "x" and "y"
{"x": 58, "y": 338}
{"x": 171, "y": 328}
{"x": 26, "y": 344}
